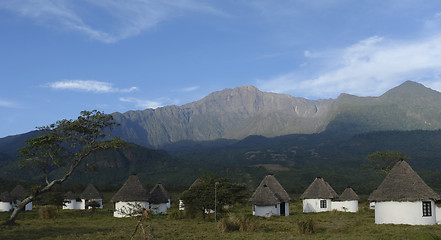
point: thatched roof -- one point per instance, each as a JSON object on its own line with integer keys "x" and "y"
{"x": 269, "y": 192}
{"x": 348, "y": 195}
{"x": 19, "y": 192}
{"x": 196, "y": 182}
{"x": 70, "y": 196}
{"x": 159, "y": 194}
{"x": 7, "y": 197}
{"x": 91, "y": 193}
{"x": 263, "y": 196}
{"x": 403, "y": 184}
{"x": 131, "y": 190}
{"x": 319, "y": 189}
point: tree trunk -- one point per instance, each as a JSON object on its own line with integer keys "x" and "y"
{"x": 18, "y": 209}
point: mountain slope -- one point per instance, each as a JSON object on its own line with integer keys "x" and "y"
{"x": 231, "y": 113}
{"x": 244, "y": 111}
{"x": 410, "y": 106}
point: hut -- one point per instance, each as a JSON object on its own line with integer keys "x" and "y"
{"x": 347, "y": 202}
{"x": 91, "y": 197}
{"x": 6, "y": 202}
{"x": 160, "y": 199}
{"x": 318, "y": 196}
{"x": 270, "y": 198}
{"x": 404, "y": 198}
{"x": 130, "y": 198}
{"x": 71, "y": 201}
{"x": 19, "y": 193}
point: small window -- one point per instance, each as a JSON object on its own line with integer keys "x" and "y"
{"x": 427, "y": 209}
{"x": 323, "y": 204}
{"x": 275, "y": 206}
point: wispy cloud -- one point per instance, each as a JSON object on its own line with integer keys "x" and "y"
{"x": 369, "y": 67}
{"x": 8, "y": 104}
{"x": 88, "y": 86}
{"x": 188, "y": 89}
{"x": 120, "y": 19}
{"x": 143, "y": 103}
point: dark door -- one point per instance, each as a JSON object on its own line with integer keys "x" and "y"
{"x": 282, "y": 209}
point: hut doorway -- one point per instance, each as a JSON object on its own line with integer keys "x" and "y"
{"x": 282, "y": 209}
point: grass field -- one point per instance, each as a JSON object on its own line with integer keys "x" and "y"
{"x": 77, "y": 224}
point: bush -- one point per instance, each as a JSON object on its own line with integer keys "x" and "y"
{"x": 48, "y": 212}
{"x": 306, "y": 226}
{"x": 176, "y": 214}
{"x": 241, "y": 223}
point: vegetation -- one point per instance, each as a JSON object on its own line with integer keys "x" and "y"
{"x": 77, "y": 224}
{"x": 212, "y": 193}
{"x": 383, "y": 162}
{"x": 64, "y": 144}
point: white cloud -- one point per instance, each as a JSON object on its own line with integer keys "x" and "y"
{"x": 369, "y": 67}
{"x": 88, "y": 86}
{"x": 119, "y": 19}
{"x": 8, "y": 104}
{"x": 188, "y": 89}
{"x": 142, "y": 103}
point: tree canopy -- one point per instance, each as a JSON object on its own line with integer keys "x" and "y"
{"x": 201, "y": 196}
{"x": 62, "y": 147}
{"x": 383, "y": 162}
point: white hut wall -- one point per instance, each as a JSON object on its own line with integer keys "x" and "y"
{"x": 266, "y": 211}
{"x": 127, "y": 209}
{"x": 28, "y": 206}
{"x": 84, "y": 201}
{"x": 404, "y": 213}
{"x": 345, "y": 206}
{"x": 181, "y": 205}
{"x": 70, "y": 204}
{"x": 5, "y": 206}
{"x": 159, "y": 208}
{"x": 316, "y": 205}
{"x": 438, "y": 213}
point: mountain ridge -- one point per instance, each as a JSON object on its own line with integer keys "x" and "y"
{"x": 243, "y": 111}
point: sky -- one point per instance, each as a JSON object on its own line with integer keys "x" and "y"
{"x": 59, "y": 57}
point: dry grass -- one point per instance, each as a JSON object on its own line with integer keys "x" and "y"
{"x": 48, "y": 212}
{"x": 243, "y": 223}
{"x": 77, "y": 224}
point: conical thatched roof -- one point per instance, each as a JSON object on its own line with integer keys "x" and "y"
{"x": 70, "y": 196}
{"x": 131, "y": 190}
{"x": 269, "y": 192}
{"x": 348, "y": 195}
{"x": 319, "y": 189}
{"x": 159, "y": 194}
{"x": 19, "y": 192}
{"x": 91, "y": 193}
{"x": 403, "y": 184}
{"x": 196, "y": 182}
{"x": 7, "y": 197}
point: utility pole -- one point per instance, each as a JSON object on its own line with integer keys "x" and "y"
{"x": 215, "y": 201}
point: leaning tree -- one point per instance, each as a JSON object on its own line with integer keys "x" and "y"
{"x": 62, "y": 147}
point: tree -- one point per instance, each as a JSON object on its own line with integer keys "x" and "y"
{"x": 62, "y": 147}
{"x": 384, "y": 161}
{"x": 201, "y": 197}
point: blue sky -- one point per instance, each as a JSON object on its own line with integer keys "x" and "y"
{"x": 58, "y": 58}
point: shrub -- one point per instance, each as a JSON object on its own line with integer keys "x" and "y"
{"x": 243, "y": 223}
{"x": 176, "y": 214}
{"x": 227, "y": 225}
{"x": 306, "y": 226}
{"x": 48, "y": 212}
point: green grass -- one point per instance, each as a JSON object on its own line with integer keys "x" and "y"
{"x": 77, "y": 224}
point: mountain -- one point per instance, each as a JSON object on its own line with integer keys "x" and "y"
{"x": 244, "y": 111}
